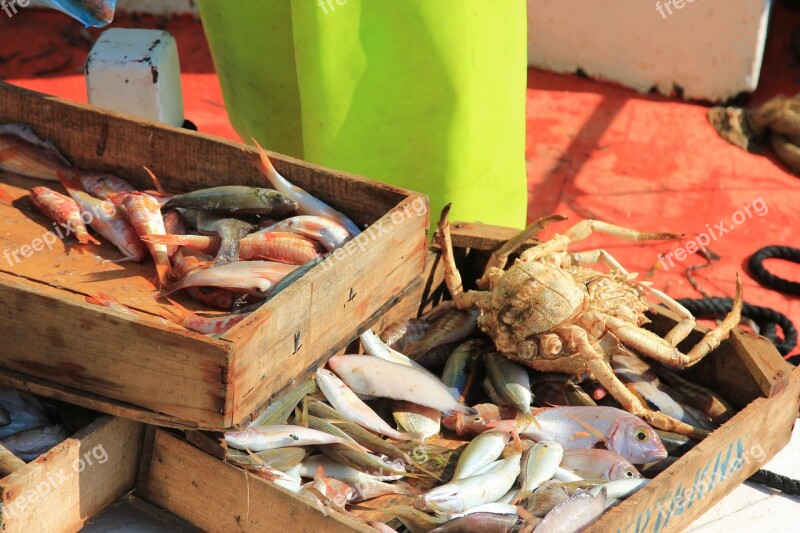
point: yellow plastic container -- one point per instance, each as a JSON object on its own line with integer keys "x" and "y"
{"x": 423, "y": 94}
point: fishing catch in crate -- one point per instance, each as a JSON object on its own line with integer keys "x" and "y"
{"x": 552, "y": 312}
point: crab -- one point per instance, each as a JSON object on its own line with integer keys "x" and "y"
{"x": 551, "y": 311}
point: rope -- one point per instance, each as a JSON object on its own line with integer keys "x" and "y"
{"x": 779, "y": 482}
{"x": 767, "y": 319}
{"x": 767, "y": 279}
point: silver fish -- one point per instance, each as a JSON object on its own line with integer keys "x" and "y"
{"x": 482, "y": 450}
{"x": 575, "y": 514}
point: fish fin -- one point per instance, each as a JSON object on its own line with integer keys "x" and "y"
{"x": 69, "y": 181}
{"x": 169, "y": 240}
{"x": 521, "y": 496}
{"x": 164, "y": 271}
{"x": 266, "y": 166}
{"x": 156, "y": 183}
{"x": 588, "y": 427}
{"x": 101, "y": 298}
{"x": 178, "y": 315}
{"x": 86, "y": 239}
{"x": 228, "y": 252}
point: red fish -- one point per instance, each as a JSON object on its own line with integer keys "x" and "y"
{"x": 63, "y": 210}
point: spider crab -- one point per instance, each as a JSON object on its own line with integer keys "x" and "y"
{"x": 554, "y": 313}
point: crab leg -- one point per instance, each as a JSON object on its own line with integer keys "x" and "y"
{"x": 452, "y": 277}
{"x": 499, "y": 257}
{"x": 583, "y": 229}
{"x": 653, "y": 346}
{"x": 577, "y": 339}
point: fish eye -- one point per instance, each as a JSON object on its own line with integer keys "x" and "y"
{"x": 641, "y": 435}
{"x": 629, "y": 474}
{"x": 477, "y": 420}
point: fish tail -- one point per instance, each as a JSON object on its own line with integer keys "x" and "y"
{"x": 164, "y": 271}
{"x": 69, "y": 180}
{"x": 228, "y": 252}
{"x": 521, "y": 496}
{"x": 266, "y": 166}
{"x": 178, "y": 313}
{"x": 85, "y": 238}
{"x": 156, "y": 182}
{"x": 102, "y": 299}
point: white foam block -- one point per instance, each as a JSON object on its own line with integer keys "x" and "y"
{"x": 136, "y": 72}
{"x": 712, "y": 49}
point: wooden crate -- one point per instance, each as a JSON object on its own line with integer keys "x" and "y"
{"x": 153, "y": 371}
{"x": 745, "y": 368}
{"x": 63, "y": 488}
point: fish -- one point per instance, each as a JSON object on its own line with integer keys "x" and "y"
{"x": 324, "y": 231}
{"x": 214, "y": 325}
{"x": 579, "y": 427}
{"x": 510, "y": 380}
{"x": 31, "y": 443}
{"x": 414, "y": 520}
{"x": 708, "y": 401}
{"x": 374, "y": 346}
{"x": 63, "y": 211}
{"x": 279, "y": 458}
{"x": 546, "y": 497}
{"x": 483, "y": 522}
{"x": 144, "y": 213}
{"x": 174, "y": 223}
{"x": 382, "y": 466}
{"x": 486, "y": 413}
{"x": 229, "y": 230}
{"x": 260, "y": 438}
{"x": 185, "y": 261}
{"x": 574, "y": 514}
{"x": 109, "y": 221}
{"x": 491, "y": 392}
{"x": 452, "y": 326}
{"x": 482, "y": 450}
{"x": 621, "y": 488}
{"x": 491, "y": 508}
{"x": 462, "y": 369}
{"x": 339, "y": 471}
{"x": 435, "y": 359}
{"x": 575, "y": 395}
{"x": 379, "y": 378}
{"x": 106, "y": 300}
{"x": 26, "y": 412}
{"x": 280, "y": 247}
{"x": 236, "y": 200}
{"x": 418, "y": 420}
{"x": 599, "y": 464}
{"x": 458, "y": 496}
{"x": 676, "y": 444}
{"x": 360, "y": 435}
{"x": 351, "y": 407}
{"x": 106, "y": 187}
{"x": 380, "y": 527}
{"x": 307, "y": 203}
{"x": 21, "y": 152}
{"x": 539, "y": 464}
{"x": 404, "y": 332}
{"x": 255, "y": 278}
{"x": 279, "y": 410}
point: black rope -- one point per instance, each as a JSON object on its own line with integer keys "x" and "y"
{"x": 768, "y": 279}
{"x": 767, "y": 319}
{"x": 779, "y": 482}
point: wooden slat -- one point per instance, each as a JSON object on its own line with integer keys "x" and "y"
{"x": 186, "y": 160}
{"x": 59, "y": 497}
{"x": 81, "y": 346}
{"x": 709, "y": 471}
{"x": 218, "y": 497}
{"x": 95, "y": 402}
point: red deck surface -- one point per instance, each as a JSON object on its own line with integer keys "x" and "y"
{"x": 594, "y": 150}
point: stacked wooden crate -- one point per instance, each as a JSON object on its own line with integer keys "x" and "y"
{"x": 148, "y": 371}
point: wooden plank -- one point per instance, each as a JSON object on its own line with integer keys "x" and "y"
{"x": 67, "y": 342}
{"x": 107, "y": 141}
{"x": 94, "y": 402}
{"x": 312, "y": 320}
{"x": 713, "y": 468}
{"x": 62, "y": 489}
{"x": 218, "y": 497}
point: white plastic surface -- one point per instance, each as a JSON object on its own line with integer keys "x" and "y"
{"x": 136, "y": 72}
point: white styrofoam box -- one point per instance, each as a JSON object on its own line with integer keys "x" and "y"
{"x": 711, "y": 49}
{"x": 159, "y": 7}
{"x": 136, "y": 72}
